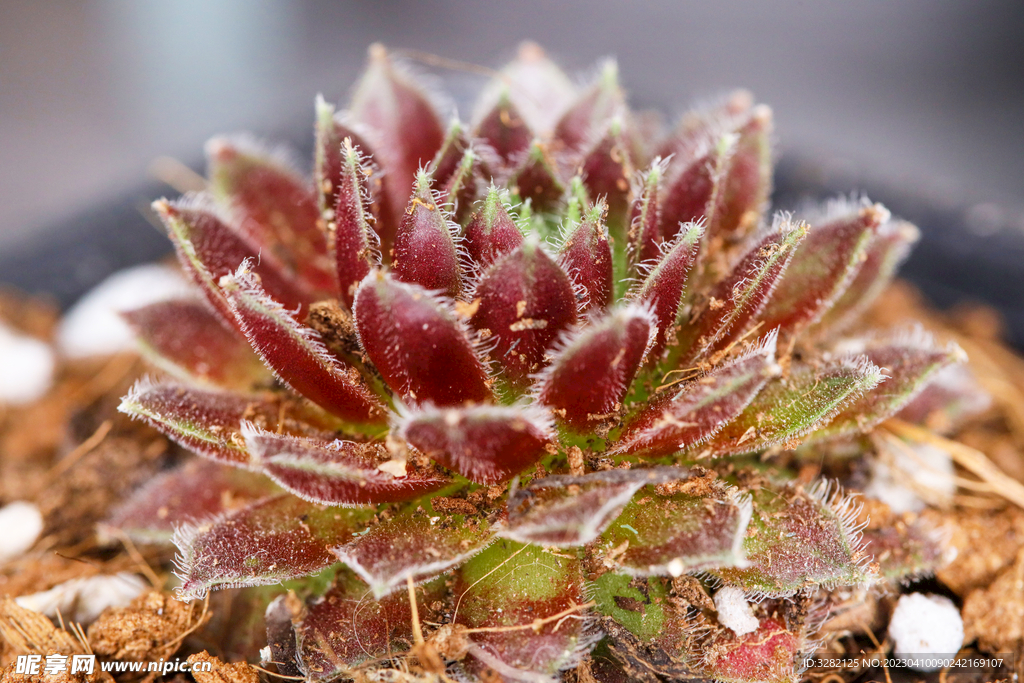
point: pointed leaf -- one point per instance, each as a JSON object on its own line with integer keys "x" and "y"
{"x": 788, "y": 408}
{"x": 525, "y": 301}
{"x": 823, "y": 266}
{"x": 485, "y": 444}
{"x": 332, "y": 128}
{"x": 511, "y": 585}
{"x": 425, "y": 253}
{"x": 413, "y": 545}
{"x": 949, "y": 399}
{"x": 747, "y": 184}
{"x": 737, "y": 299}
{"x": 343, "y": 629}
{"x": 688, "y": 417}
{"x": 278, "y": 538}
{"x": 491, "y": 232}
{"x": 208, "y": 422}
{"x": 607, "y": 170}
{"x": 538, "y": 179}
{"x": 592, "y": 111}
{"x": 565, "y": 511}
{"x": 678, "y": 527}
{"x": 907, "y": 547}
{"x": 466, "y": 185}
{"x": 352, "y": 238}
{"x": 296, "y": 353}
{"x": 448, "y": 159}
{"x": 503, "y": 128}
{"x": 694, "y": 181}
{"x": 910, "y": 361}
{"x": 645, "y": 217}
{"x": 799, "y": 538}
{"x": 417, "y": 344}
{"x": 197, "y": 490}
{"x": 189, "y": 341}
{"x": 590, "y": 374}
{"x": 535, "y": 86}
{"x": 586, "y": 256}
{"x": 208, "y": 249}
{"x": 668, "y": 285}
{"x": 885, "y": 254}
{"x": 338, "y": 472}
{"x": 407, "y": 127}
{"x": 273, "y": 206}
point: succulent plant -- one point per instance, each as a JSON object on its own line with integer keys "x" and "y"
{"x": 521, "y": 394}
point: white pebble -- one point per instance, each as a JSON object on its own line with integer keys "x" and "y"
{"x": 734, "y": 611}
{"x": 26, "y": 367}
{"x": 83, "y": 600}
{"x": 926, "y": 625}
{"x": 93, "y": 327}
{"x": 21, "y": 523}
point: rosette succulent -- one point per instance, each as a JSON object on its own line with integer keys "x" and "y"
{"x": 543, "y": 391}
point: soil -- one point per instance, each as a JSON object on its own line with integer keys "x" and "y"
{"x": 75, "y": 457}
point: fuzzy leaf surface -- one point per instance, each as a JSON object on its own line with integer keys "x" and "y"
{"x": 538, "y": 179}
{"x": 413, "y": 545}
{"x": 644, "y": 225}
{"x": 425, "y": 252}
{"x": 769, "y": 654}
{"x": 209, "y": 422}
{"x": 525, "y": 301}
{"x": 420, "y": 348}
{"x": 513, "y": 585}
{"x": 590, "y": 375}
{"x": 336, "y": 472}
{"x": 678, "y": 528}
{"x": 278, "y": 538}
{"x": 788, "y": 408}
{"x": 337, "y": 632}
{"x": 910, "y": 363}
{"x": 486, "y": 444}
{"x": 798, "y": 538}
{"x": 296, "y": 353}
{"x": 407, "y": 130}
{"x": 736, "y": 300}
{"x": 908, "y": 548}
{"x": 491, "y": 232}
{"x": 586, "y": 257}
{"x": 822, "y": 268}
{"x": 188, "y": 340}
{"x": 664, "y": 287}
{"x": 885, "y": 254}
{"x": 566, "y": 511}
{"x": 504, "y": 129}
{"x": 688, "y": 417}
{"x": 208, "y": 250}
{"x": 274, "y": 206}
{"x": 198, "y": 489}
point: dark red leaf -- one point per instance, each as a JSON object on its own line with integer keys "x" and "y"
{"x": 278, "y": 538}
{"x": 406, "y": 125}
{"x": 492, "y": 232}
{"x": 418, "y": 345}
{"x": 594, "y": 368}
{"x": 296, "y": 353}
{"x": 504, "y": 129}
{"x": 586, "y": 256}
{"x": 336, "y": 472}
{"x": 485, "y": 444}
{"x": 425, "y": 253}
{"x": 413, "y": 545}
{"x": 273, "y": 206}
{"x": 188, "y": 340}
{"x": 525, "y": 301}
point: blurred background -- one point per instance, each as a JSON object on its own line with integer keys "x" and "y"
{"x": 920, "y": 103}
